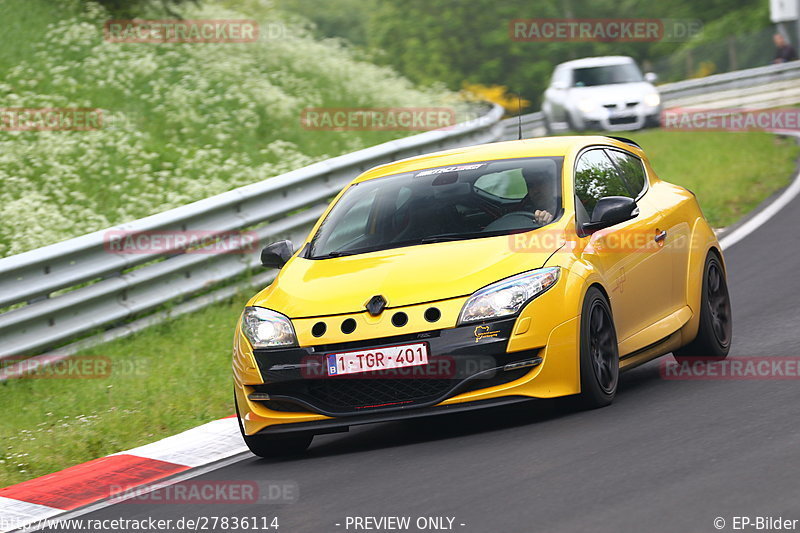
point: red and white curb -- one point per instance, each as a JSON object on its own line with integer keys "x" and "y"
{"x": 78, "y": 486}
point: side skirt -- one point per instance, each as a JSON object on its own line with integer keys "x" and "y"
{"x": 648, "y": 353}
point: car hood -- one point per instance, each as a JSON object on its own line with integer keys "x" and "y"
{"x": 613, "y": 94}
{"x": 404, "y": 276}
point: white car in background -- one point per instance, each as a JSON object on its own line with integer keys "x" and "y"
{"x": 601, "y": 93}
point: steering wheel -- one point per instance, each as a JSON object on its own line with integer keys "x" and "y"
{"x": 503, "y": 221}
{"x": 527, "y": 214}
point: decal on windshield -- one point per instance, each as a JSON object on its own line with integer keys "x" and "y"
{"x": 442, "y": 170}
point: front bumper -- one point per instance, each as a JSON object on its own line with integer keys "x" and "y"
{"x": 622, "y": 119}
{"x": 280, "y": 391}
{"x": 460, "y": 360}
{"x": 479, "y": 379}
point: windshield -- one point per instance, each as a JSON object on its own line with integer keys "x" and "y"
{"x": 606, "y": 75}
{"x": 464, "y": 201}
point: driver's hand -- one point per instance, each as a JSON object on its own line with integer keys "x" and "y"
{"x": 542, "y": 217}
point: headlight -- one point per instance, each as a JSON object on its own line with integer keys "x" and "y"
{"x": 267, "y": 329}
{"x": 586, "y": 105}
{"x": 507, "y": 297}
{"x": 652, "y": 99}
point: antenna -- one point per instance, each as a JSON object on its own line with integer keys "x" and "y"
{"x": 519, "y": 116}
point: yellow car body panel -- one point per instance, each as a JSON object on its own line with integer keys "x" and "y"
{"x": 445, "y": 274}
{"x": 406, "y": 276}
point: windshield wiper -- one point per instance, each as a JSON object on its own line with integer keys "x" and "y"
{"x": 472, "y": 235}
{"x": 338, "y": 253}
{"x": 449, "y": 237}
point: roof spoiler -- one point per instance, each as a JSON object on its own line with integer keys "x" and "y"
{"x": 625, "y": 140}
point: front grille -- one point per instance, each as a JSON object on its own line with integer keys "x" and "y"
{"x": 360, "y": 393}
{"x": 471, "y": 368}
{"x": 622, "y": 120}
{"x": 348, "y": 395}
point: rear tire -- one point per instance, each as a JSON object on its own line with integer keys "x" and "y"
{"x": 273, "y": 447}
{"x": 652, "y": 121}
{"x": 713, "y": 341}
{"x": 571, "y": 123}
{"x": 599, "y": 352}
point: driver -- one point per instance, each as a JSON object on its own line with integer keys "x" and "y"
{"x": 541, "y": 197}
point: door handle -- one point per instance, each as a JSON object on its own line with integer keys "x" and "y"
{"x": 661, "y": 236}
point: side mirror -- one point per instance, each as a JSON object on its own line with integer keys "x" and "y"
{"x": 650, "y": 77}
{"x": 611, "y": 210}
{"x": 276, "y": 254}
{"x": 558, "y": 85}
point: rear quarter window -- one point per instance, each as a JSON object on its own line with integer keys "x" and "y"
{"x": 596, "y": 176}
{"x": 631, "y": 169}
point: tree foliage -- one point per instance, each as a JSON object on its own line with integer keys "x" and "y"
{"x": 468, "y": 41}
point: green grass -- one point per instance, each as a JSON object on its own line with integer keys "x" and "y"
{"x": 26, "y": 22}
{"x": 180, "y": 121}
{"x": 184, "y": 376}
{"x": 172, "y": 377}
{"x": 731, "y": 173}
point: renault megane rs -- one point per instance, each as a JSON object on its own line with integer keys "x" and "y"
{"x": 478, "y": 277}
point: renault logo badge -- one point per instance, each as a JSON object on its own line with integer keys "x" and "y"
{"x": 376, "y": 305}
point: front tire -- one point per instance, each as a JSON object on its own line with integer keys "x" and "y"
{"x": 571, "y": 124}
{"x": 548, "y": 125}
{"x": 713, "y": 341}
{"x": 273, "y": 447}
{"x": 599, "y": 352}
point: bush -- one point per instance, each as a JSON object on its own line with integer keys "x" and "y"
{"x": 181, "y": 122}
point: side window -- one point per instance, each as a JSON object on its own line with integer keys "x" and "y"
{"x": 631, "y": 168}
{"x": 596, "y": 177}
{"x": 508, "y": 184}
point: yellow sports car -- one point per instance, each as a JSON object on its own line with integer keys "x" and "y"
{"x": 478, "y": 277}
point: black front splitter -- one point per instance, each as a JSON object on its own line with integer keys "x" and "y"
{"x": 341, "y": 425}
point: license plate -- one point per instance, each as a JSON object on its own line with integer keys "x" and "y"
{"x": 376, "y": 359}
{"x": 620, "y": 114}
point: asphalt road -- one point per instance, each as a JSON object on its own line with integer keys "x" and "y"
{"x": 667, "y": 456}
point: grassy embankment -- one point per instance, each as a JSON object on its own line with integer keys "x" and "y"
{"x": 180, "y": 121}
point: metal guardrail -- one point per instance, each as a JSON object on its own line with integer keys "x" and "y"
{"x": 532, "y": 125}
{"x": 740, "y": 79}
{"x": 77, "y": 286}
